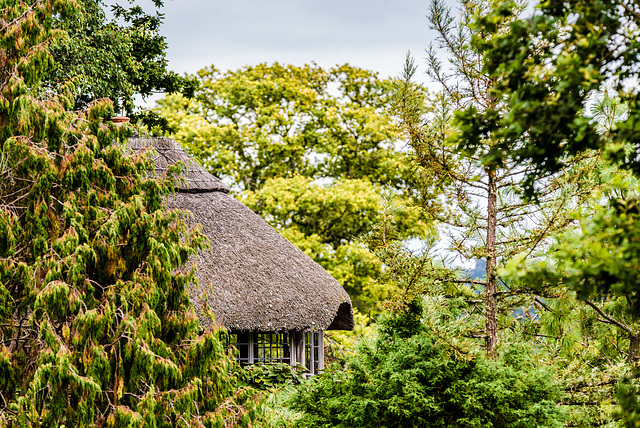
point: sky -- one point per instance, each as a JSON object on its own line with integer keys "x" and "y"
{"x": 229, "y": 34}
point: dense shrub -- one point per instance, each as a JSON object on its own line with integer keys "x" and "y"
{"x": 417, "y": 380}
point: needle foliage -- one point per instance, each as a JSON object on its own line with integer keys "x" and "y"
{"x": 96, "y": 327}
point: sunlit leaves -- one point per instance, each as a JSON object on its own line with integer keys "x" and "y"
{"x": 307, "y": 148}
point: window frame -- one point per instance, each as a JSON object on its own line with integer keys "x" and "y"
{"x": 304, "y": 348}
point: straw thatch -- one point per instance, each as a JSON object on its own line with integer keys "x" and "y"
{"x": 251, "y": 278}
{"x": 168, "y": 152}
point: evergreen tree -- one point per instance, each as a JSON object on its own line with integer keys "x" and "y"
{"x": 419, "y": 381}
{"x": 472, "y": 188}
{"x": 418, "y": 371}
{"x": 96, "y": 327}
{"x": 549, "y": 68}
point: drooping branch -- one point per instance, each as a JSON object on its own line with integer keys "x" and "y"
{"x": 608, "y": 318}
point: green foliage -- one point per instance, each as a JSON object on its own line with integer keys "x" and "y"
{"x": 308, "y": 149}
{"x": 95, "y": 319}
{"x": 601, "y": 257}
{"x": 471, "y": 187}
{"x": 274, "y": 375}
{"x": 546, "y": 68}
{"x": 562, "y": 87}
{"x": 271, "y": 121}
{"x": 417, "y": 380}
{"x": 126, "y": 57}
{"x": 628, "y": 410}
{"x": 276, "y": 412}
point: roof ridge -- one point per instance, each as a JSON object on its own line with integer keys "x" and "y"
{"x": 194, "y": 177}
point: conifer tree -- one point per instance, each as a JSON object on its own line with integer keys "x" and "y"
{"x": 549, "y": 67}
{"x": 96, "y": 328}
{"x": 417, "y": 371}
{"x": 473, "y": 186}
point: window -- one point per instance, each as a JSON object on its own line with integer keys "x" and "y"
{"x": 271, "y": 348}
{"x": 314, "y": 351}
{"x": 306, "y": 348}
{"x": 242, "y": 342}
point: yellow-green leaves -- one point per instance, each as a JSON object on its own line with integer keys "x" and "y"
{"x": 307, "y": 148}
{"x": 269, "y": 121}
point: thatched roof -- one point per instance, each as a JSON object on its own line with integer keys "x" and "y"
{"x": 168, "y": 152}
{"x": 251, "y": 277}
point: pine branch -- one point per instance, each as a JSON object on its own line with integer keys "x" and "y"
{"x": 544, "y": 305}
{"x": 608, "y": 318}
{"x": 626, "y": 7}
{"x": 464, "y": 281}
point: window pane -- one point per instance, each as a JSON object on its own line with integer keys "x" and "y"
{"x": 316, "y": 352}
{"x": 307, "y": 352}
{"x": 241, "y": 342}
{"x": 271, "y": 348}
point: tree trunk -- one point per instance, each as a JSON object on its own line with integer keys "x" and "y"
{"x": 491, "y": 311}
{"x": 634, "y": 348}
{"x": 634, "y": 335}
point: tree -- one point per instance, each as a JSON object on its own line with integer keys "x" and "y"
{"x": 469, "y": 188}
{"x": 574, "y": 44}
{"x": 96, "y": 327}
{"x": 113, "y": 58}
{"x": 418, "y": 369}
{"x": 308, "y": 149}
{"x": 546, "y": 68}
{"x": 270, "y": 121}
{"x": 549, "y": 68}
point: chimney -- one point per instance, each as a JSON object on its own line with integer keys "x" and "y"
{"x": 119, "y": 120}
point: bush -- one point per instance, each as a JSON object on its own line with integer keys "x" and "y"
{"x": 274, "y": 375}
{"x": 417, "y": 380}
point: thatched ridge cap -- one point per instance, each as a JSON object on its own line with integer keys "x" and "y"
{"x": 168, "y": 152}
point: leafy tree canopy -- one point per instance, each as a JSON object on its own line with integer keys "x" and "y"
{"x": 113, "y": 57}
{"x": 269, "y": 121}
{"x": 308, "y": 149}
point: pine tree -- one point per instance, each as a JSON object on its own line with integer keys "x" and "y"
{"x": 96, "y": 327}
{"x": 549, "y": 67}
{"x": 472, "y": 187}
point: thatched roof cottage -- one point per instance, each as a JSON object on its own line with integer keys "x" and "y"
{"x": 275, "y": 301}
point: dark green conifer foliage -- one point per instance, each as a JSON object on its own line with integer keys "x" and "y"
{"x": 96, "y": 327}
{"x": 547, "y": 67}
{"x": 418, "y": 380}
{"x": 418, "y": 371}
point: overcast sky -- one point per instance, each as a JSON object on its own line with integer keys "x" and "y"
{"x": 372, "y": 34}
